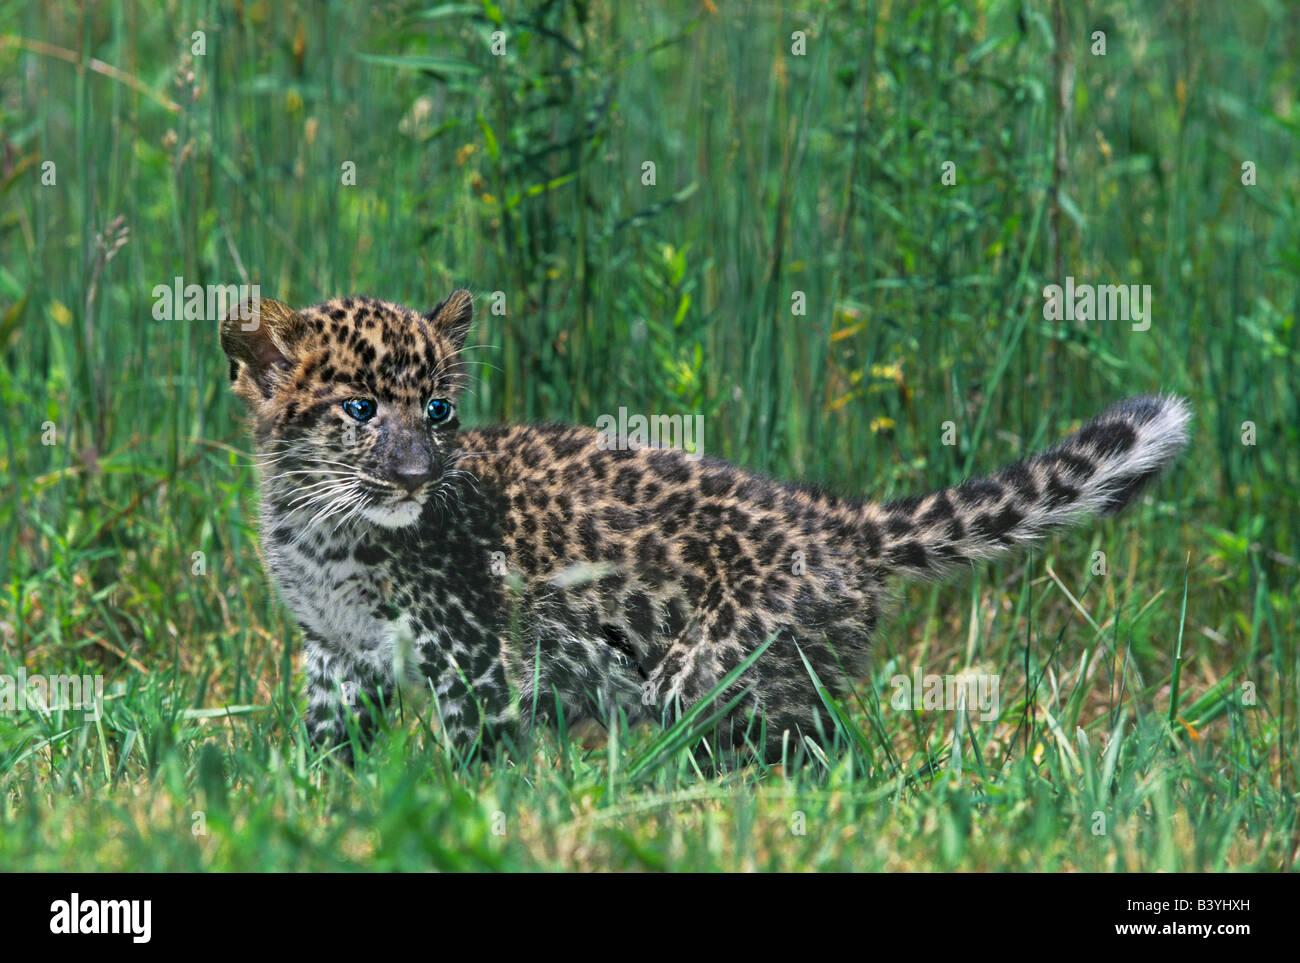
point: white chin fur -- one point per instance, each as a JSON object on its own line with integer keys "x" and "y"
{"x": 398, "y": 515}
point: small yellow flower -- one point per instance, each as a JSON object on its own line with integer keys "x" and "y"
{"x": 1103, "y": 145}
{"x": 887, "y": 372}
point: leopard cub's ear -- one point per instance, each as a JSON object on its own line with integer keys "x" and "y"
{"x": 261, "y": 336}
{"x": 453, "y": 316}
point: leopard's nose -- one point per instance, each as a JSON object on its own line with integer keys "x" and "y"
{"x": 412, "y": 479}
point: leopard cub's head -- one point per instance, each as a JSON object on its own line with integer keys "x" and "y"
{"x": 353, "y": 402}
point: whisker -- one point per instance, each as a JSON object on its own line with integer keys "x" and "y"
{"x": 307, "y": 471}
{"x": 337, "y": 505}
{"x": 351, "y": 515}
{"x": 312, "y": 495}
{"x": 316, "y": 495}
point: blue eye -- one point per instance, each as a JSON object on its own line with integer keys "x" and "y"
{"x": 439, "y": 410}
{"x": 362, "y": 409}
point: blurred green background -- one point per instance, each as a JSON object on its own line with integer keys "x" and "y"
{"x": 791, "y": 170}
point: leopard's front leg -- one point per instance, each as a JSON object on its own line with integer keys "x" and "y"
{"x": 475, "y": 705}
{"x": 343, "y": 697}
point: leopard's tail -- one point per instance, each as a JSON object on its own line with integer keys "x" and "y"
{"x": 1094, "y": 472}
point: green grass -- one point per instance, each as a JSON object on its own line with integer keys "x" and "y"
{"x": 1159, "y": 698}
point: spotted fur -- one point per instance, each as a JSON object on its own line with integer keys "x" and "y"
{"x": 519, "y": 572}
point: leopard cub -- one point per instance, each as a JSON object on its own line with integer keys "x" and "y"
{"x": 525, "y": 571}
